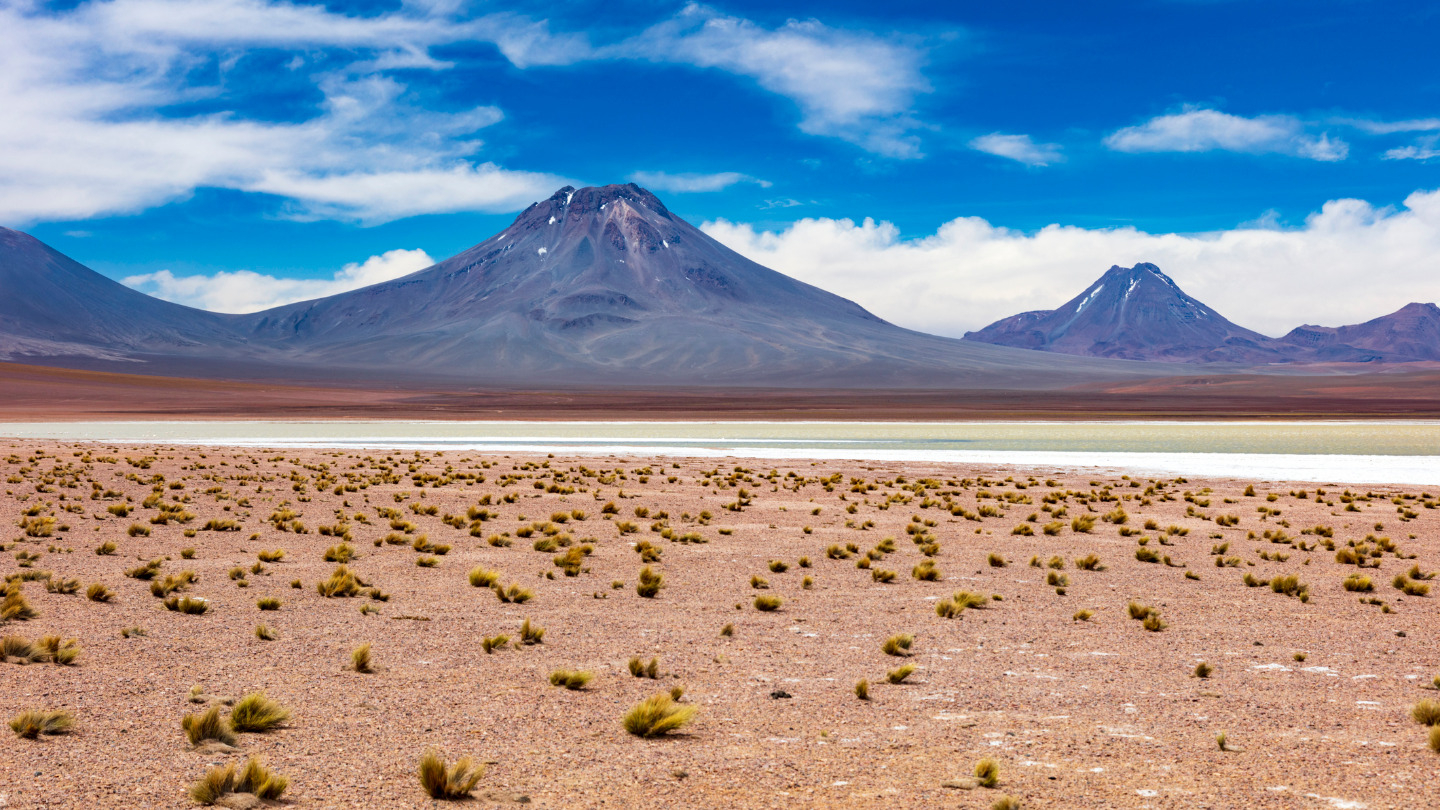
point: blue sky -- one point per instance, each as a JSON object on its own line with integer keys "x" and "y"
{"x": 282, "y": 142}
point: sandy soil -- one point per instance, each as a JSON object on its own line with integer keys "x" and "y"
{"x": 1098, "y": 713}
{"x": 39, "y": 393}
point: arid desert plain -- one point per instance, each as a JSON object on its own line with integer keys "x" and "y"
{"x": 1305, "y": 608}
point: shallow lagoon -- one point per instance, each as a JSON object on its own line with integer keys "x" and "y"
{"x": 1332, "y": 452}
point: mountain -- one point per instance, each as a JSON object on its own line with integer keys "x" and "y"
{"x": 1133, "y": 313}
{"x": 52, "y": 306}
{"x": 1409, "y": 334}
{"x": 592, "y": 287}
{"x": 604, "y": 285}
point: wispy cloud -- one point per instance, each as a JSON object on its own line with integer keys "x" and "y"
{"x": 855, "y": 86}
{"x": 688, "y": 182}
{"x": 1423, "y": 149}
{"x": 84, "y": 132}
{"x": 1204, "y": 130}
{"x": 1019, "y": 148}
{"x": 90, "y": 100}
{"x": 246, "y": 291}
{"x": 1358, "y": 261}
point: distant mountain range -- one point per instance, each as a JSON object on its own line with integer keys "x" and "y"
{"x": 1139, "y": 313}
{"x": 604, "y": 286}
{"x": 593, "y": 286}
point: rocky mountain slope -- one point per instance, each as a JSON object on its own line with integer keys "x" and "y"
{"x": 1139, "y": 313}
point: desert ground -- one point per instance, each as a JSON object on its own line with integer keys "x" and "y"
{"x": 1311, "y": 684}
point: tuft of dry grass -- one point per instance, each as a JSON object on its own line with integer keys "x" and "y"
{"x": 206, "y": 726}
{"x": 264, "y": 633}
{"x": 14, "y": 607}
{"x": 254, "y": 779}
{"x": 257, "y": 714}
{"x": 862, "y": 689}
{"x": 483, "y": 578}
{"x": 766, "y": 603}
{"x": 1426, "y": 712}
{"x": 650, "y": 583}
{"x": 899, "y": 675}
{"x": 656, "y": 716}
{"x": 898, "y": 645}
{"x": 360, "y": 659}
{"x": 448, "y": 782}
{"x": 31, "y": 724}
{"x": 573, "y": 680}
{"x": 987, "y": 772}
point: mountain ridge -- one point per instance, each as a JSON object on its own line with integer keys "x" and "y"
{"x": 1153, "y": 319}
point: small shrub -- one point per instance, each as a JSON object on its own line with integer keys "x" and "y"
{"x": 206, "y": 726}
{"x": 657, "y": 716}
{"x": 862, "y": 689}
{"x": 31, "y": 724}
{"x": 360, "y": 659}
{"x": 268, "y": 603}
{"x": 190, "y": 605}
{"x": 448, "y": 783}
{"x": 996, "y": 561}
{"x": 573, "y": 680}
{"x": 492, "y": 643}
{"x": 1426, "y": 712}
{"x": 257, "y": 713}
{"x": 650, "y": 583}
{"x": 264, "y": 633}
{"x": 987, "y": 773}
{"x": 897, "y": 644}
{"x": 766, "y": 603}
{"x": 531, "y": 634}
{"x": 254, "y": 779}
{"x": 899, "y": 675}
{"x": 1203, "y": 670}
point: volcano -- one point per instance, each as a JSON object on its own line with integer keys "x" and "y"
{"x": 54, "y": 307}
{"x": 1134, "y": 313}
{"x": 604, "y": 285}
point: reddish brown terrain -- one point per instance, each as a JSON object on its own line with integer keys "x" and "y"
{"x": 39, "y": 393}
{"x": 1076, "y": 712}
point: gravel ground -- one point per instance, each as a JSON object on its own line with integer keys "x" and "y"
{"x": 1097, "y": 713}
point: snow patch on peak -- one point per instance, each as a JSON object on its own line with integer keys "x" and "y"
{"x": 569, "y": 196}
{"x": 542, "y": 251}
{"x": 552, "y": 219}
{"x": 1092, "y": 294}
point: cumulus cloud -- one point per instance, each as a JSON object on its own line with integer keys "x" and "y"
{"x": 1349, "y": 262}
{"x": 858, "y": 87}
{"x": 1202, "y": 130}
{"x": 1019, "y": 148}
{"x": 247, "y": 291}
{"x": 687, "y": 182}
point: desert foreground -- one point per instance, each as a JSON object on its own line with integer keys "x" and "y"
{"x": 1093, "y": 637}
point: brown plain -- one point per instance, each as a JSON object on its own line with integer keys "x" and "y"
{"x": 1078, "y": 714}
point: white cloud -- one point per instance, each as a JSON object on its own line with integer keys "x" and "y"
{"x": 688, "y": 182}
{"x": 854, "y": 86}
{"x": 1350, "y": 262}
{"x": 82, "y": 135}
{"x": 1390, "y": 127}
{"x": 1423, "y": 149}
{"x": 1202, "y": 130}
{"x": 246, "y": 291}
{"x": 1019, "y": 148}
